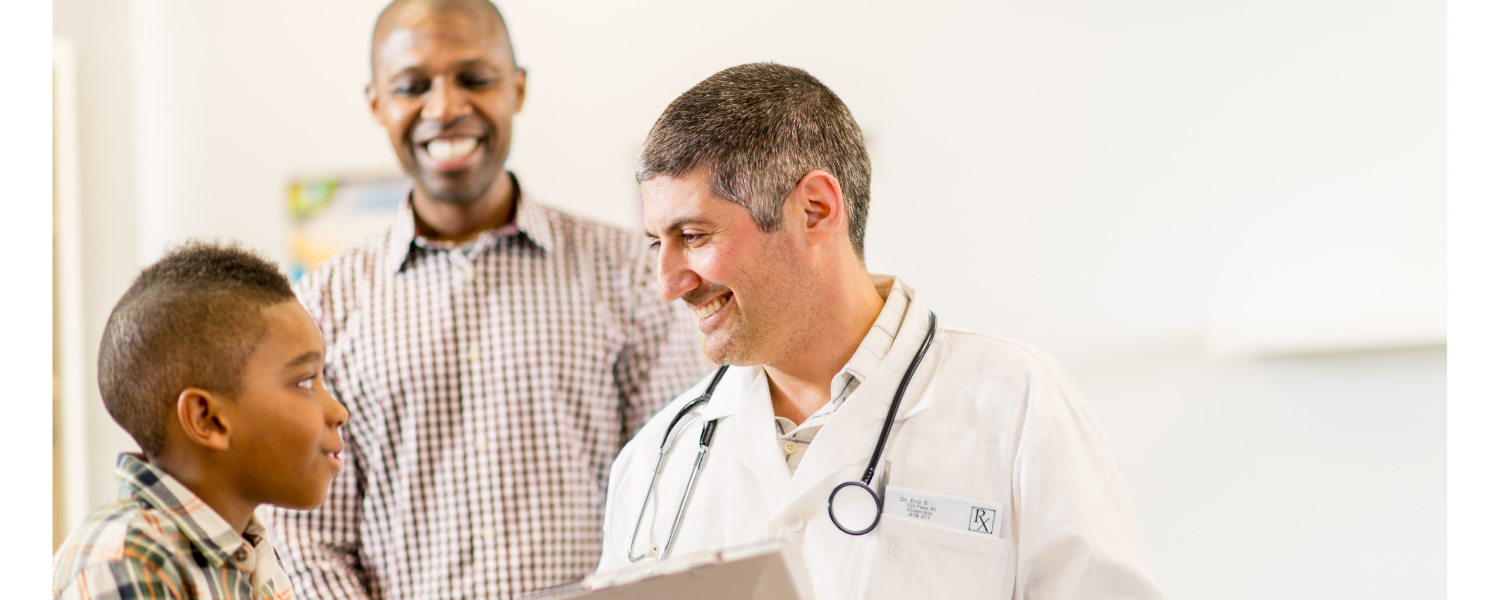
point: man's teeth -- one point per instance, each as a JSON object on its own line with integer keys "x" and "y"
{"x": 709, "y": 309}
{"x": 449, "y": 149}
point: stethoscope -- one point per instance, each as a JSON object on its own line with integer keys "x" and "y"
{"x": 861, "y": 510}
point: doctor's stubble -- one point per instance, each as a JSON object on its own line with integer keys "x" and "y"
{"x": 769, "y": 327}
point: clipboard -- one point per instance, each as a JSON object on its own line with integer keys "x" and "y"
{"x": 763, "y": 571}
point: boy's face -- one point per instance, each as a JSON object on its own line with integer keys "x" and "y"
{"x": 284, "y": 432}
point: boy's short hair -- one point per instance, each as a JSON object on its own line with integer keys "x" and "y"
{"x": 192, "y": 319}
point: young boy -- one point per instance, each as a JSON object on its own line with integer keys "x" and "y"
{"x": 209, "y": 362}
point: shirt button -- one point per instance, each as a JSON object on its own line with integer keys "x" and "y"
{"x": 794, "y": 522}
{"x": 241, "y": 554}
{"x": 789, "y": 447}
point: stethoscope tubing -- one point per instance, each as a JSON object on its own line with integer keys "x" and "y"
{"x": 885, "y": 434}
{"x": 890, "y": 415}
{"x": 706, "y": 440}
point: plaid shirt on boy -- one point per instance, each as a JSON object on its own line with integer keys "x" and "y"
{"x": 160, "y": 540}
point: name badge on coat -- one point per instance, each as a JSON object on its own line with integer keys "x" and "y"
{"x": 979, "y": 517}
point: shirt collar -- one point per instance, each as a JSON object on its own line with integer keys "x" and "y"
{"x": 882, "y": 334}
{"x": 530, "y": 222}
{"x": 872, "y": 349}
{"x": 198, "y": 521}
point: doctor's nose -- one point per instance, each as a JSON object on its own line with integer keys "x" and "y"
{"x": 673, "y": 278}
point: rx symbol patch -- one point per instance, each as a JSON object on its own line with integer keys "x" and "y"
{"x": 981, "y": 520}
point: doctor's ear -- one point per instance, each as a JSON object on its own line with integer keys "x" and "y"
{"x": 819, "y": 208}
{"x": 203, "y": 417}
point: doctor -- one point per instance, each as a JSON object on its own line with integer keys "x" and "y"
{"x": 987, "y": 476}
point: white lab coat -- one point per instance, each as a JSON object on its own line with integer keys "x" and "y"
{"x": 983, "y": 418}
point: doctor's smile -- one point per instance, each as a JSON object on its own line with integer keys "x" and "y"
{"x": 712, "y": 307}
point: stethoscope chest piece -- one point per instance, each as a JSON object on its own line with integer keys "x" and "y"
{"x": 854, "y": 508}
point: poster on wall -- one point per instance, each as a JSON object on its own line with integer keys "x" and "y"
{"x": 331, "y": 213}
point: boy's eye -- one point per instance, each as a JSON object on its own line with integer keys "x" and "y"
{"x": 306, "y": 384}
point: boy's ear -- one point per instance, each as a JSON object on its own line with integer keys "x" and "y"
{"x": 201, "y": 414}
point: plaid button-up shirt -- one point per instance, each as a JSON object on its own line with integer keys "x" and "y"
{"x": 490, "y": 386}
{"x": 160, "y": 540}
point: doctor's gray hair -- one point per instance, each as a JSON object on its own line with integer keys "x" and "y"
{"x": 760, "y": 128}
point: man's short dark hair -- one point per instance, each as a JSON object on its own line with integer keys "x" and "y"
{"x": 192, "y": 319}
{"x": 760, "y": 128}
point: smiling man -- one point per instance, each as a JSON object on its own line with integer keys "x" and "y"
{"x": 494, "y": 353}
{"x": 903, "y": 457}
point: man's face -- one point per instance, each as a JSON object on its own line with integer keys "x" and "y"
{"x": 745, "y": 286}
{"x": 445, "y": 89}
{"x": 284, "y": 426}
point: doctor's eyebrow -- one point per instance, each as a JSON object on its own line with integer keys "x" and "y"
{"x": 675, "y": 227}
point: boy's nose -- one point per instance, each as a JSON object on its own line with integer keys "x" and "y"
{"x": 338, "y": 414}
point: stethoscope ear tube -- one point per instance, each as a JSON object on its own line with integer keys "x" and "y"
{"x": 704, "y": 441}
{"x": 708, "y": 393}
{"x": 661, "y": 457}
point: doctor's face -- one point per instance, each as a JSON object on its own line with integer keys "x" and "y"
{"x": 743, "y": 284}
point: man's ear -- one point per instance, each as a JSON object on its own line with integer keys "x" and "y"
{"x": 374, "y": 102}
{"x": 822, "y": 206}
{"x": 203, "y": 419}
{"x": 520, "y": 88}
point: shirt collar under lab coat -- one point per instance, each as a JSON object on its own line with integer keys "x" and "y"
{"x": 735, "y": 389}
{"x": 873, "y": 348}
{"x": 850, "y": 434}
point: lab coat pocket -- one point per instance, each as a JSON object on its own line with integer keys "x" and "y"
{"x": 917, "y": 560}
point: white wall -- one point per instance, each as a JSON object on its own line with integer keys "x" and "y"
{"x": 1311, "y": 477}
{"x": 1106, "y": 180}
{"x": 101, "y": 39}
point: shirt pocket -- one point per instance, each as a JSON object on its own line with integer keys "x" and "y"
{"x": 917, "y": 560}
